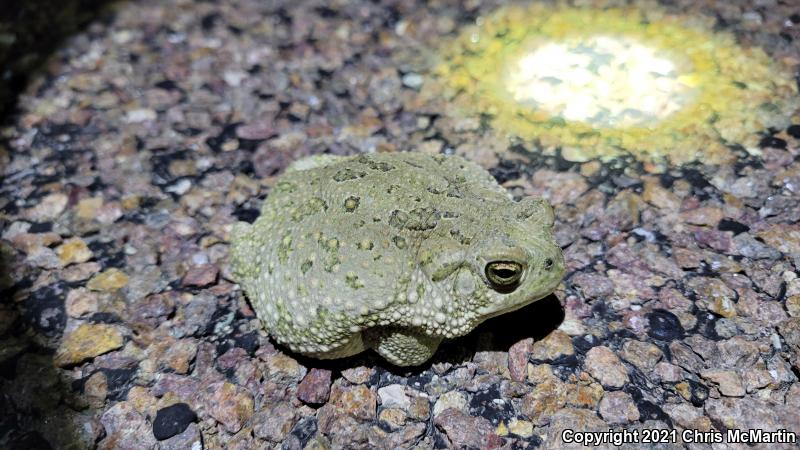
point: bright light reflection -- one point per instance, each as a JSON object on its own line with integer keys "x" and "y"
{"x": 600, "y": 80}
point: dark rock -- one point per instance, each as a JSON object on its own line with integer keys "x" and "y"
{"x": 664, "y": 326}
{"x": 172, "y": 420}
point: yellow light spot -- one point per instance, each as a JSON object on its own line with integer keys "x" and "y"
{"x": 609, "y": 81}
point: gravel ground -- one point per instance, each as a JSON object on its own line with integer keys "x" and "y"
{"x": 149, "y": 134}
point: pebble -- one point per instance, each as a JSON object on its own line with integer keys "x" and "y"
{"x": 274, "y": 422}
{"x": 73, "y": 250}
{"x": 463, "y": 430}
{"x": 49, "y": 208}
{"x": 664, "y": 326}
{"x": 518, "y": 355}
{"x": 667, "y": 373}
{"x": 793, "y": 305}
{"x": 172, "y": 420}
{"x": 108, "y": 281}
{"x": 95, "y": 389}
{"x": 394, "y": 396}
{"x": 86, "y": 342}
{"x": 190, "y": 438}
{"x": 572, "y": 419}
{"x": 450, "y": 400}
{"x": 358, "y": 375}
{"x": 412, "y": 80}
{"x": 606, "y": 367}
{"x": 357, "y": 401}
{"x": 730, "y": 383}
{"x": 555, "y": 345}
{"x": 643, "y": 355}
{"x": 200, "y": 276}
{"x": 618, "y": 408}
{"x": 126, "y": 429}
{"x": 521, "y": 428}
{"x": 544, "y": 400}
{"x": 315, "y": 387}
{"x": 228, "y": 404}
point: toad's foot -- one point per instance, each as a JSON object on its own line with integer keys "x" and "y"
{"x": 402, "y": 347}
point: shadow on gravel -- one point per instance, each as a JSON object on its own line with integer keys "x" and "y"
{"x": 38, "y": 408}
{"x": 30, "y": 31}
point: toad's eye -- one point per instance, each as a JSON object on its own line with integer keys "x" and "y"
{"x": 504, "y": 276}
{"x": 548, "y": 264}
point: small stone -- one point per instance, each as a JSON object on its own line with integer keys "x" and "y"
{"x": 96, "y": 389}
{"x": 593, "y": 285}
{"x": 793, "y": 305}
{"x": 667, "y": 373}
{"x": 755, "y": 379}
{"x": 315, "y": 387}
{"x": 394, "y": 396}
{"x": 189, "y": 439}
{"x": 707, "y": 215}
{"x": 585, "y": 395}
{"x": 126, "y": 429}
{"x": 179, "y": 355}
{"x": 714, "y": 295}
{"x": 643, "y": 355}
{"x": 259, "y": 130}
{"x": 420, "y": 408}
{"x": 664, "y": 325}
{"x": 518, "y": 356}
{"x": 108, "y": 281}
{"x": 521, "y": 428}
{"x": 730, "y": 383}
{"x": 73, "y": 250}
{"x": 80, "y": 272}
{"x": 284, "y": 369}
{"x": 86, "y": 342}
{"x": 618, "y": 407}
{"x": 87, "y": 209}
{"x": 229, "y": 405}
{"x": 572, "y": 419}
{"x": 82, "y": 302}
{"x": 44, "y": 258}
{"x": 453, "y": 399}
{"x": 659, "y": 197}
{"x": 790, "y": 330}
{"x": 395, "y": 417}
{"x": 358, "y": 375}
{"x": 464, "y": 430}
{"x": 274, "y": 422}
{"x": 141, "y": 115}
{"x": 737, "y": 352}
{"x": 172, "y": 420}
{"x": 555, "y": 345}
{"x": 688, "y": 416}
{"x": 412, "y": 80}
{"x": 201, "y": 275}
{"x": 545, "y": 399}
{"x": 49, "y": 208}
{"x": 357, "y": 401}
{"x": 606, "y": 367}
{"x": 783, "y": 237}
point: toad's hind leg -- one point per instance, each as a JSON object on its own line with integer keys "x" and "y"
{"x": 401, "y": 346}
{"x": 353, "y": 346}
